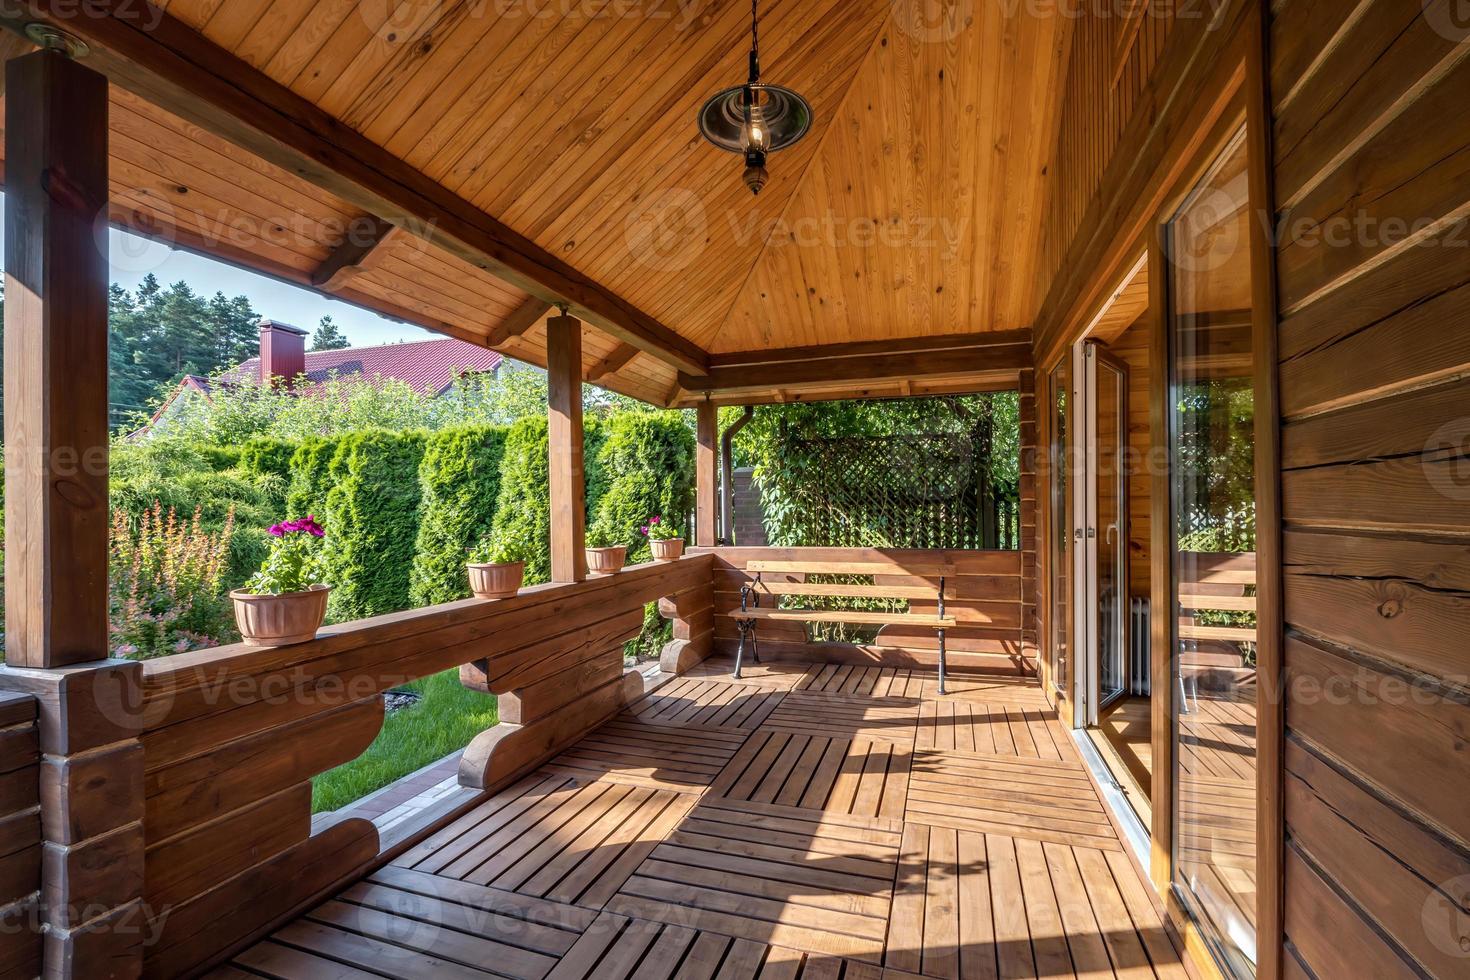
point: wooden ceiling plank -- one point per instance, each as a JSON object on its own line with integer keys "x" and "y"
{"x": 872, "y": 348}
{"x": 179, "y": 70}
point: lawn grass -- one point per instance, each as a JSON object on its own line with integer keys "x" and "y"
{"x": 446, "y": 718}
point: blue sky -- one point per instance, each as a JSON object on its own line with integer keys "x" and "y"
{"x": 133, "y": 258}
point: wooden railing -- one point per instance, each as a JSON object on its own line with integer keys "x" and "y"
{"x": 983, "y": 591}
{"x": 232, "y": 737}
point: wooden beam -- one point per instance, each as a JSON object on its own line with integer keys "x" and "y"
{"x": 521, "y": 319}
{"x": 612, "y": 363}
{"x": 866, "y": 368}
{"x": 359, "y": 249}
{"x": 568, "y": 489}
{"x": 56, "y": 438}
{"x": 176, "y": 68}
{"x": 706, "y": 417}
{"x": 861, "y": 348}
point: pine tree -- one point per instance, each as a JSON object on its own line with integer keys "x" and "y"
{"x": 328, "y": 336}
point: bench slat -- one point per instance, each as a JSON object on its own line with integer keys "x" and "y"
{"x": 846, "y": 616}
{"x": 853, "y": 567}
{"x": 849, "y": 591}
{"x": 1229, "y": 603}
{"x": 1238, "y": 634}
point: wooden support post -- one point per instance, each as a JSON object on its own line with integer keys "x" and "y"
{"x": 706, "y": 490}
{"x": 56, "y": 517}
{"x": 568, "y": 489}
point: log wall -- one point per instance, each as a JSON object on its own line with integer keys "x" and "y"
{"x": 1372, "y": 173}
{"x": 20, "y": 836}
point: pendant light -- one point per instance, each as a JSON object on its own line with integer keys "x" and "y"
{"x": 755, "y": 119}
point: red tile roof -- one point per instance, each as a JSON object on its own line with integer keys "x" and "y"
{"x": 427, "y": 365}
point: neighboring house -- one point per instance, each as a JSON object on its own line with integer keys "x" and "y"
{"x": 428, "y": 366}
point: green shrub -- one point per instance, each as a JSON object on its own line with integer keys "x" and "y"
{"x": 220, "y": 458}
{"x": 176, "y": 474}
{"x": 459, "y": 479}
{"x": 522, "y": 526}
{"x": 522, "y": 523}
{"x": 307, "y": 489}
{"x": 264, "y": 456}
{"x": 647, "y": 462}
{"x": 372, "y": 512}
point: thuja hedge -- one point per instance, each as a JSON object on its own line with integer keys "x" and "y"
{"x": 459, "y": 480}
{"x": 522, "y": 525}
{"x": 647, "y": 465}
{"x": 372, "y": 507}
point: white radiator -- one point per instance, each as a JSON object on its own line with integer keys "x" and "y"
{"x": 1140, "y": 665}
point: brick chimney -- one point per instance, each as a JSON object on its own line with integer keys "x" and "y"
{"x": 282, "y": 352}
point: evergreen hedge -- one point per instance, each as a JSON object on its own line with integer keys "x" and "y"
{"x": 372, "y": 510}
{"x": 307, "y": 489}
{"x": 646, "y": 462}
{"x": 522, "y": 524}
{"x": 264, "y": 456}
{"x": 459, "y": 479}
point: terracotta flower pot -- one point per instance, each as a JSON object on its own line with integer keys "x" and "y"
{"x": 605, "y": 561}
{"x": 497, "y": 580}
{"x": 280, "y": 620}
{"x": 670, "y": 549}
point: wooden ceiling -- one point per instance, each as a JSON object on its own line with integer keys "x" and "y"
{"x": 910, "y": 211}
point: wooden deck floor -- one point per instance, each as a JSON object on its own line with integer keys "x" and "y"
{"x": 808, "y": 822}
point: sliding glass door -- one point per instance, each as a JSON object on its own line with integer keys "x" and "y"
{"x": 1213, "y": 529}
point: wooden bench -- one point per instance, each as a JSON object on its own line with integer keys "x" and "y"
{"x": 751, "y": 612}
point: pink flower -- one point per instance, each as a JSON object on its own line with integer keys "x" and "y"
{"x": 656, "y": 519}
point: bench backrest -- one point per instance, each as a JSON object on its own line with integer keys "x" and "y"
{"x": 982, "y": 589}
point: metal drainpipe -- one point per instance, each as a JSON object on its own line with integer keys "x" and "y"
{"x": 727, "y": 476}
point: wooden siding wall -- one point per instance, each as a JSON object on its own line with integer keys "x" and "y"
{"x": 20, "y": 835}
{"x": 985, "y": 595}
{"x": 1109, "y": 65}
{"x": 1371, "y": 133}
{"x": 233, "y": 736}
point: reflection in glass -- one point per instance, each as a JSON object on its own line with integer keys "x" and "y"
{"x": 1061, "y": 521}
{"x": 1213, "y": 505}
{"x": 1111, "y": 520}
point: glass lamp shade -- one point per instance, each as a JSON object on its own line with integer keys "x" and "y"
{"x": 778, "y": 119}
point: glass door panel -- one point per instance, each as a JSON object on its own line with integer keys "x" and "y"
{"x": 1212, "y": 488}
{"x": 1109, "y": 398}
{"x": 1059, "y": 401}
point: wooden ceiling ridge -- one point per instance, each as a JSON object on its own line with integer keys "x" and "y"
{"x": 170, "y": 65}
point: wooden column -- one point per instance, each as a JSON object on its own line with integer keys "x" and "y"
{"x": 56, "y": 274}
{"x": 91, "y": 771}
{"x": 706, "y": 489}
{"x": 568, "y": 486}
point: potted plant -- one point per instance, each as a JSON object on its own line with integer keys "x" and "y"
{"x": 494, "y": 570}
{"x": 285, "y": 602}
{"x": 663, "y": 539}
{"x": 604, "y": 557}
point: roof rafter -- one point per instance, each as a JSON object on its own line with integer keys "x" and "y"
{"x": 362, "y": 246}
{"x": 165, "y": 62}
